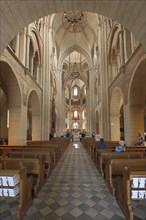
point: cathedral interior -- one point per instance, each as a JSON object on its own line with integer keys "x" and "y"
{"x": 72, "y": 67}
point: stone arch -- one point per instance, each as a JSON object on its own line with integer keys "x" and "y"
{"x": 3, "y": 116}
{"x": 36, "y": 44}
{"x": 35, "y": 56}
{"x": 14, "y": 99}
{"x": 136, "y": 108}
{"x": 28, "y": 11}
{"x": 113, "y": 41}
{"x": 66, "y": 53}
{"x": 114, "y": 57}
{"x": 72, "y": 125}
{"x": 116, "y": 104}
{"x": 33, "y": 116}
{"x": 79, "y": 50}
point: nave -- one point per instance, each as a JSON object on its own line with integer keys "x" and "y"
{"x": 74, "y": 191}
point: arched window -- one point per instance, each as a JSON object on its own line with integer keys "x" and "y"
{"x": 31, "y": 54}
{"x": 75, "y": 125}
{"x": 75, "y": 91}
{"x": 84, "y": 114}
{"x": 75, "y": 114}
{"x": 35, "y": 66}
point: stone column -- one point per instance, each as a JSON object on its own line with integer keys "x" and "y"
{"x": 88, "y": 110}
{"x": 17, "y": 131}
{"x": 104, "y": 122}
{"x": 46, "y": 85}
{"x": 60, "y": 117}
{"x": 36, "y": 127}
{"x": 22, "y": 50}
{"x": 91, "y": 105}
{"x": 122, "y": 47}
{"x": 17, "y": 44}
{"x": 27, "y": 50}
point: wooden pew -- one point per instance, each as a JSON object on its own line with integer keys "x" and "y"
{"x": 124, "y": 194}
{"x": 104, "y": 155}
{"x": 114, "y": 167}
{"x": 25, "y": 190}
{"x": 46, "y": 158}
{"x": 53, "y": 150}
{"x": 88, "y": 142}
{"x": 61, "y": 143}
{"x": 33, "y": 166}
{"x": 110, "y": 146}
{"x": 91, "y": 145}
{"x": 110, "y": 149}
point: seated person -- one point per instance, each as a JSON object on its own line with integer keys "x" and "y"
{"x": 121, "y": 147}
{"x": 139, "y": 139}
{"x": 101, "y": 144}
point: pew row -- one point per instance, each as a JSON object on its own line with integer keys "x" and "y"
{"x": 54, "y": 151}
{"x": 125, "y": 191}
{"x": 128, "y": 149}
{"x": 114, "y": 168}
{"x": 33, "y": 167}
{"x": 62, "y": 143}
{"x": 46, "y": 157}
{"x": 105, "y": 155}
{"x": 25, "y": 190}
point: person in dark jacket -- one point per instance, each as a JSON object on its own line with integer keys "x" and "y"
{"x": 101, "y": 144}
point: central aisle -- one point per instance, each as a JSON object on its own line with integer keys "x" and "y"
{"x": 74, "y": 191}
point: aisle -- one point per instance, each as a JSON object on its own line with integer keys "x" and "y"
{"x": 74, "y": 191}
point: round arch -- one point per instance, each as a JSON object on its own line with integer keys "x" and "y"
{"x": 33, "y": 116}
{"x": 27, "y": 11}
{"x": 137, "y": 101}
{"x": 14, "y": 105}
{"x": 116, "y": 109}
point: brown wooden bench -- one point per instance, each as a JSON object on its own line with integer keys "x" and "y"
{"x": 124, "y": 195}
{"x": 114, "y": 167}
{"x": 46, "y": 158}
{"x": 61, "y": 143}
{"x": 104, "y": 155}
{"x": 91, "y": 145}
{"x": 25, "y": 190}
{"x": 110, "y": 149}
{"x": 33, "y": 166}
{"x": 53, "y": 150}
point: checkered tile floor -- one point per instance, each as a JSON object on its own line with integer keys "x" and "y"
{"x": 75, "y": 191}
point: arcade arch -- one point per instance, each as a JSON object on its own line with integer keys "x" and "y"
{"x": 116, "y": 106}
{"x": 33, "y": 117}
{"x": 137, "y": 102}
{"x": 12, "y": 100}
{"x": 28, "y": 11}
